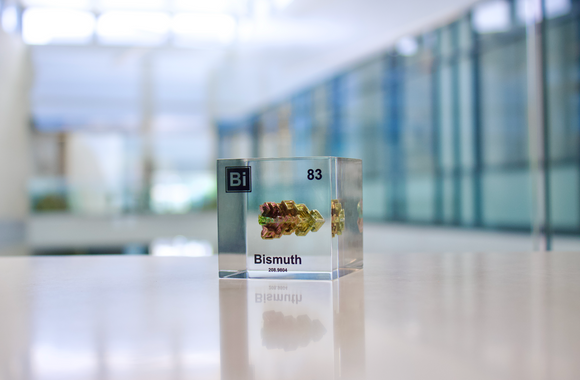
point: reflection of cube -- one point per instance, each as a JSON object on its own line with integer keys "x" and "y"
{"x": 289, "y": 217}
{"x": 289, "y": 333}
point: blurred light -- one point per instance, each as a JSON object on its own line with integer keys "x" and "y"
{"x": 492, "y": 17}
{"x": 180, "y": 246}
{"x": 407, "y": 46}
{"x": 133, "y": 4}
{"x": 555, "y": 8}
{"x": 10, "y": 19}
{"x": 170, "y": 197}
{"x": 53, "y": 359}
{"x": 69, "y": 4}
{"x": 41, "y": 26}
{"x": 134, "y": 28}
{"x": 217, "y": 6}
{"x": 281, "y": 4}
{"x": 204, "y": 27}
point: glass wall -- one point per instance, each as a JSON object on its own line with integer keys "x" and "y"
{"x": 440, "y": 121}
{"x": 562, "y": 62}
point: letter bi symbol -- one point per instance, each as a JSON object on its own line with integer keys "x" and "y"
{"x": 235, "y": 179}
{"x": 238, "y": 179}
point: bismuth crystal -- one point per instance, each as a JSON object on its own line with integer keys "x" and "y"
{"x": 287, "y": 217}
{"x": 337, "y": 217}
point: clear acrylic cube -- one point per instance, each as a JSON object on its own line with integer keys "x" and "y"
{"x": 290, "y": 218}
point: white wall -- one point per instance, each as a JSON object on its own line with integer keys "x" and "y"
{"x": 15, "y": 77}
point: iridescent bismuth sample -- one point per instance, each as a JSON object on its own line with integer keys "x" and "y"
{"x": 337, "y": 213}
{"x": 287, "y": 217}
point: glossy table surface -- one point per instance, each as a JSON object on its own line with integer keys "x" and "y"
{"x": 405, "y": 316}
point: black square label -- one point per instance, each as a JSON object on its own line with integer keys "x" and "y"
{"x": 238, "y": 179}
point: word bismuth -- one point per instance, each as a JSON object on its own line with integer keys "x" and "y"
{"x": 309, "y": 213}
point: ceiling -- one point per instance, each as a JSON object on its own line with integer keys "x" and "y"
{"x": 279, "y": 46}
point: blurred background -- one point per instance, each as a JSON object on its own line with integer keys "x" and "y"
{"x": 112, "y": 113}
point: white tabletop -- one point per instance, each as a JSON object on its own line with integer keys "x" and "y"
{"x": 405, "y": 316}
